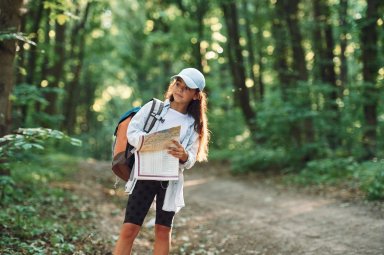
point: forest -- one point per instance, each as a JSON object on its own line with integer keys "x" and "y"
{"x": 295, "y": 87}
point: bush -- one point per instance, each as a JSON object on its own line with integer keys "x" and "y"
{"x": 368, "y": 176}
{"x": 327, "y": 171}
{"x": 260, "y": 159}
{"x": 25, "y": 141}
{"x": 371, "y": 178}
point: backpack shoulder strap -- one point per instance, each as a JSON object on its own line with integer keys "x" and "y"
{"x": 154, "y": 114}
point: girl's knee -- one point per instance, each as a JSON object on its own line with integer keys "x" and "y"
{"x": 129, "y": 231}
{"x": 162, "y": 232}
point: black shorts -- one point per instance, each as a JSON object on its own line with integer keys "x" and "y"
{"x": 141, "y": 199}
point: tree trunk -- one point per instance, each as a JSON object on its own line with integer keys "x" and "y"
{"x": 73, "y": 87}
{"x": 300, "y": 72}
{"x": 30, "y": 79}
{"x": 250, "y": 45}
{"x": 47, "y": 27}
{"x": 260, "y": 53}
{"x": 56, "y": 72}
{"x": 46, "y": 56}
{"x": 200, "y": 13}
{"x": 343, "y": 14}
{"x": 291, "y": 16}
{"x": 236, "y": 63}
{"x": 371, "y": 65}
{"x": 280, "y": 36}
{"x": 323, "y": 43}
{"x": 10, "y": 14}
{"x": 21, "y": 59}
{"x": 325, "y": 69}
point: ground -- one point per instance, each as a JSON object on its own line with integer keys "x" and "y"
{"x": 225, "y": 214}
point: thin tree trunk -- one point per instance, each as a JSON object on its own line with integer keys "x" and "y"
{"x": 370, "y": 59}
{"x": 343, "y": 13}
{"x": 21, "y": 59}
{"x": 250, "y": 45}
{"x": 260, "y": 54}
{"x": 89, "y": 92}
{"x": 237, "y": 64}
{"x": 325, "y": 68}
{"x": 33, "y": 52}
{"x": 280, "y": 36}
{"x": 57, "y": 70}
{"x": 10, "y": 19}
{"x": 73, "y": 88}
{"x": 45, "y": 69}
{"x": 324, "y": 43}
{"x": 292, "y": 19}
{"x": 200, "y": 13}
{"x": 300, "y": 71}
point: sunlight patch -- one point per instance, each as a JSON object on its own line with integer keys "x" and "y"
{"x": 118, "y": 91}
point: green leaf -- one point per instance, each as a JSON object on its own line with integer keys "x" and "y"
{"x": 4, "y": 36}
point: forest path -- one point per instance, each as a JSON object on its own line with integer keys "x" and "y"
{"x": 233, "y": 215}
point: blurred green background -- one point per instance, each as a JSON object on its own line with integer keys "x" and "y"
{"x": 293, "y": 86}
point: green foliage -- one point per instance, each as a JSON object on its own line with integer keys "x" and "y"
{"x": 27, "y": 140}
{"x": 371, "y": 176}
{"x": 235, "y": 131}
{"x": 327, "y": 171}
{"x": 39, "y": 216}
{"x": 260, "y": 159}
{"x": 26, "y": 98}
{"x": 368, "y": 176}
{"x": 26, "y": 94}
{"x": 9, "y": 35}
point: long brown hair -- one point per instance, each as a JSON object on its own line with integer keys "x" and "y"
{"x": 198, "y": 110}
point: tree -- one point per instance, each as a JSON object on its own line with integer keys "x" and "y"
{"x": 371, "y": 65}
{"x": 236, "y": 63}
{"x": 291, "y": 68}
{"x": 281, "y": 50}
{"x": 10, "y": 13}
{"x": 55, "y": 73}
{"x": 343, "y": 15}
{"x": 72, "y": 88}
{"x": 324, "y": 72}
{"x": 250, "y": 46}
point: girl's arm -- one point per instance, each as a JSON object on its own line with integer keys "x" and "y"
{"x": 191, "y": 150}
{"x": 187, "y": 155}
{"x": 136, "y": 126}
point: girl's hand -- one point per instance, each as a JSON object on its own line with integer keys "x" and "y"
{"x": 177, "y": 150}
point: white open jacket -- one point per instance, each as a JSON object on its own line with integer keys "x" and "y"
{"x": 174, "y": 197}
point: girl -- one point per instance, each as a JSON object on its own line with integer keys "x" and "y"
{"x": 185, "y": 106}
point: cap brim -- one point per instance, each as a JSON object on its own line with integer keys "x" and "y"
{"x": 188, "y": 81}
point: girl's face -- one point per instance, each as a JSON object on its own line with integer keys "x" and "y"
{"x": 182, "y": 93}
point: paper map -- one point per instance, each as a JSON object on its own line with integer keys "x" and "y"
{"x": 159, "y": 140}
{"x": 152, "y": 161}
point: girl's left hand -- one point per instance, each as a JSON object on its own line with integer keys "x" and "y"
{"x": 177, "y": 150}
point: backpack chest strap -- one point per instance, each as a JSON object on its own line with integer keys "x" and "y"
{"x": 154, "y": 114}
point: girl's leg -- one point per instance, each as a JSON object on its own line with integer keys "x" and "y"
{"x": 162, "y": 240}
{"x": 138, "y": 205}
{"x": 128, "y": 234}
{"x": 163, "y": 222}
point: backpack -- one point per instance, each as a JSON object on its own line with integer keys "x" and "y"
{"x": 122, "y": 156}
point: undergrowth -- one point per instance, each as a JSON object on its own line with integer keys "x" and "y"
{"x": 367, "y": 177}
{"x": 39, "y": 216}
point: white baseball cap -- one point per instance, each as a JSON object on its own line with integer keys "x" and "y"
{"x": 192, "y": 77}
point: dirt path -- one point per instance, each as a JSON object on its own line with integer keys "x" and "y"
{"x": 226, "y": 215}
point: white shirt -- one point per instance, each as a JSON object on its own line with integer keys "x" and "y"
{"x": 174, "y": 118}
